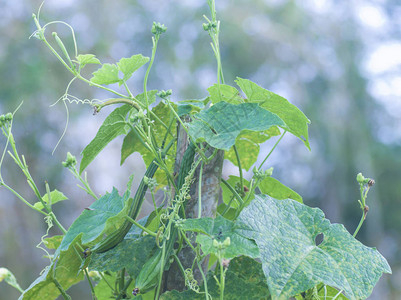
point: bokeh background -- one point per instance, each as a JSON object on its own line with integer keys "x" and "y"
{"x": 339, "y": 61}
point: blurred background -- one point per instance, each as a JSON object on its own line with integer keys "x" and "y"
{"x": 339, "y": 61}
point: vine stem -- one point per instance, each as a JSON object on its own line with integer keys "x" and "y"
{"x": 140, "y": 226}
{"x": 274, "y": 147}
{"x": 200, "y": 191}
{"x": 222, "y": 279}
{"x": 241, "y": 177}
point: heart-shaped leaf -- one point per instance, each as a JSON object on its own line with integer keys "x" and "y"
{"x": 220, "y": 125}
{"x": 285, "y": 232}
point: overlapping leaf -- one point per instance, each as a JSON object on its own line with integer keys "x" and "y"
{"x": 221, "y": 124}
{"x": 130, "y": 254}
{"x": 103, "y": 217}
{"x": 275, "y": 189}
{"x": 224, "y": 92}
{"x": 285, "y": 232}
{"x": 248, "y": 148}
{"x": 219, "y": 229}
{"x": 295, "y": 120}
{"x": 113, "y": 126}
{"x": 190, "y": 106}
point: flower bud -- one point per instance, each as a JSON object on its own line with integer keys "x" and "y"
{"x": 9, "y": 117}
{"x": 158, "y": 29}
{"x": 360, "y": 178}
{"x": 216, "y": 244}
{"x": 227, "y": 242}
{"x": 70, "y": 161}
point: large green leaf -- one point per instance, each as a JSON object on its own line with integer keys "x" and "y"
{"x": 275, "y": 189}
{"x": 130, "y": 254}
{"x": 113, "y": 126}
{"x": 224, "y": 92}
{"x": 244, "y": 280}
{"x": 296, "y": 121}
{"x": 103, "y": 217}
{"x": 220, "y": 125}
{"x": 56, "y": 196}
{"x": 65, "y": 270}
{"x": 107, "y": 74}
{"x": 285, "y": 232}
{"x": 219, "y": 229}
{"x": 248, "y": 148}
{"x": 190, "y": 106}
{"x": 129, "y": 65}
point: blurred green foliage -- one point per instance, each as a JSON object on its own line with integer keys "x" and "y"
{"x": 315, "y": 53}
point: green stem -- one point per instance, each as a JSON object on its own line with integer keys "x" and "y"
{"x": 363, "y": 204}
{"x": 204, "y": 280}
{"x": 271, "y": 151}
{"x": 241, "y": 177}
{"x": 222, "y": 279}
{"x": 145, "y": 81}
{"x": 90, "y": 283}
{"x": 117, "y": 101}
{"x": 140, "y": 226}
{"x": 60, "y": 288}
{"x": 200, "y": 192}
{"x": 163, "y": 258}
{"x": 232, "y": 190}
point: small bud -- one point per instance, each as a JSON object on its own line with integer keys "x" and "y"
{"x": 4, "y": 273}
{"x": 164, "y": 94}
{"x": 227, "y": 242}
{"x": 9, "y": 117}
{"x": 2, "y": 118}
{"x": 145, "y": 180}
{"x": 158, "y": 29}
{"x": 360, "y": 178}
{"x": 269, "y": 172}
{"x": 70, "y": 161}
{"x": 371, "y": 182}
{"x": 216, "y": 243}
